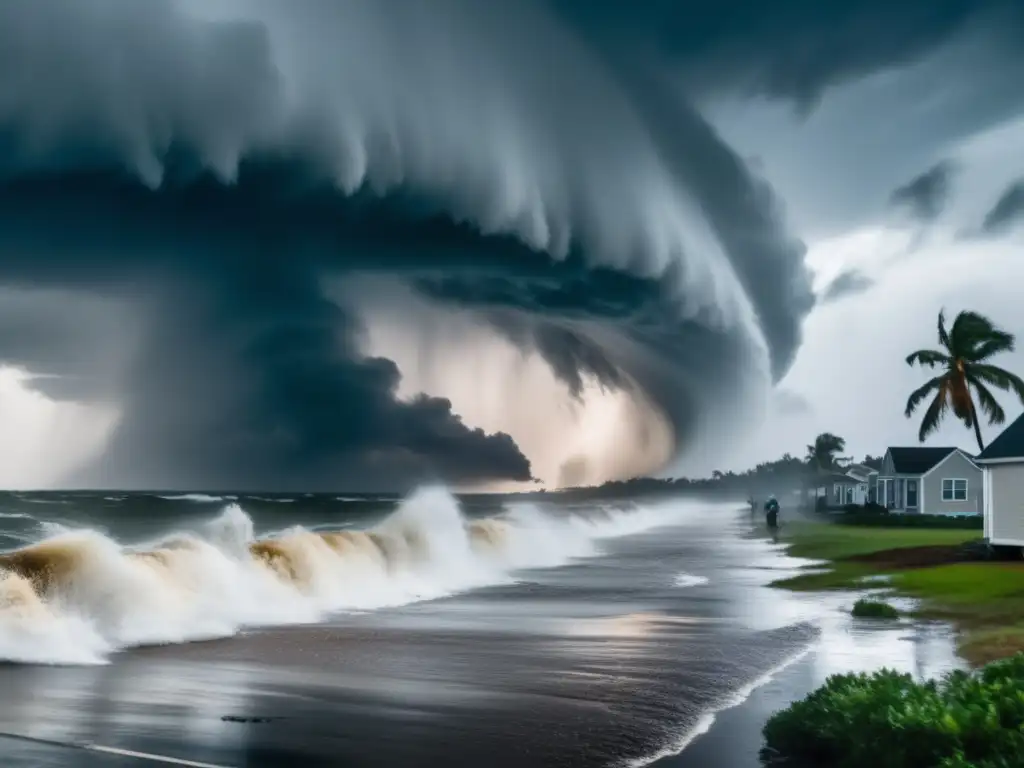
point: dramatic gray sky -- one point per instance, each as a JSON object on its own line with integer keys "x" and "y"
{"x": 285, "y": 244}
{"x": 905, "y": 187}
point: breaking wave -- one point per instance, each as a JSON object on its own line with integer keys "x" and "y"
{"x": 78, "y": 596}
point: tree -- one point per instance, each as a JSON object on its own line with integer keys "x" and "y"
{"x": 874, "y": 462}
{"x": 966, "y": 347}
{"x": 825, "y": 452}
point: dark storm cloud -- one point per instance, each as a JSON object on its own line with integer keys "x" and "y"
{"x": 847, "y": 283}
{"x": 548, "y": 312}
{"x": 1007, "y": 212}
{"x": 793, "y": 49}
{"x": 925, "y": 196}
{"x": 216, "y": 171}
{"x": 275, "y": 389}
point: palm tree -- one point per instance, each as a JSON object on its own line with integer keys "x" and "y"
{"x": 824, "y": 454}
{"x": 971, "y": 340}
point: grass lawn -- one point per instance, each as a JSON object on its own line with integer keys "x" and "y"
{"x": 985, "y": 600}
{"x": 829, "y": 541}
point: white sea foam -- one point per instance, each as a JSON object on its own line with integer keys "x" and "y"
{"x": 48, "y": 528}
{"x": 79, "y": 595}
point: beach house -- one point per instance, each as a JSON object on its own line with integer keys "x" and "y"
{"x": 846, "y": 485}
{"x": 930, "y": 481}
{"x": 1003, "y": 462}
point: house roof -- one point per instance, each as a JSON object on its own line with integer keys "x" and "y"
{"x": 835, "y": 477}
{"x": 917, "y": 460}
{"x": 1008, "y": 445}
{"x": 861, "y": 470}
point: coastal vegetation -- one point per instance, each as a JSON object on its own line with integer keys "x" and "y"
{"x": 779, "y": 476}
{"x": 887, "y": 719}
{"x": 945, "y": 569}
{"x": 824, "y": 454}
{"x": 962, "y": 361}
{"x": 874, "y": 609}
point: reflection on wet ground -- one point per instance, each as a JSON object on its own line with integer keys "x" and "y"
{"x": 609, "y": 660}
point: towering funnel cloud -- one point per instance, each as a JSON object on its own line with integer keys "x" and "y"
{"x": 230, "y": 172}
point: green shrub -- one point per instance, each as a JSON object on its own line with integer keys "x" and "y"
{"x": 874, "y": 609}
{"x": 887, "y": 720}
{"x": 868, "y": 508}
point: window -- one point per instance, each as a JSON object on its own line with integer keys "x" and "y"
{"x": 954, "y": 489}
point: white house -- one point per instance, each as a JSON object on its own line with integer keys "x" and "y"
{"x": 1003, "y": 461}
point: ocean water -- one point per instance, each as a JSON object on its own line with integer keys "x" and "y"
{"x": 235, "y": 630}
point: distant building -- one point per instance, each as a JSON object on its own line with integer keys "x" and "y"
{"x": 846, "y": 489}
{"x": 929, "y": 481}
{"x": 846, "y": 485}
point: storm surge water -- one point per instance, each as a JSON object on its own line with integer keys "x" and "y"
{"x": 77, "y": 596}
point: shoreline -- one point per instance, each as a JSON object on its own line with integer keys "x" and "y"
{"x": 732, "y": 737}
{"x": 712, "y": 721}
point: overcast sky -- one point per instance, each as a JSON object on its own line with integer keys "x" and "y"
{"x": 898, "y": 267}
{"x": 675, "y": 217}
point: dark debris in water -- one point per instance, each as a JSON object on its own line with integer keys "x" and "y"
{"x": 244, "y": 719}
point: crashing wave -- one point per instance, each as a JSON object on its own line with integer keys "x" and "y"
{"x": 78, "y": 596}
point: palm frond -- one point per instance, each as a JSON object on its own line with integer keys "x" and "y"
{"x": 933, "y": 415}
{"x": 943, "y": 335}
{"x": 998, "y": 342}
{"x": 989, "y": 405}
{"x": 930, "y": 358}
{"x": 921, "y": 393}
{"x": 998, "y": 377}
{"x": 969, "y": 331}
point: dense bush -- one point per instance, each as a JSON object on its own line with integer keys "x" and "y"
{"x": 873, "y": 514}
{"x": 887, "y": 720}
{"x": 870, "y": 508}
{"x": 874, "y": 609}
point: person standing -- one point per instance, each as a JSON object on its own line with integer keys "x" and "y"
{"x": 771, "y": 508}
